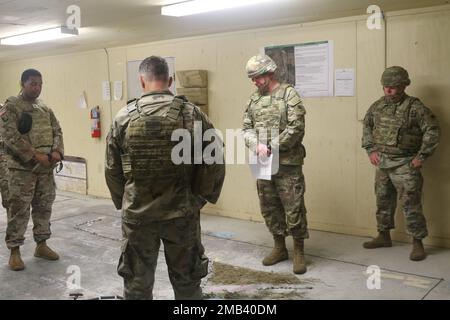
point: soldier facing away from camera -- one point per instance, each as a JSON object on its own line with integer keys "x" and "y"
{"x": 160, "y": 200}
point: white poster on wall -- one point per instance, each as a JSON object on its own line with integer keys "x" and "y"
{"x": 345, "y": 83}
{"x": 307, "y": 66}
{"x": 106, "y": 91}
{"x": 118, "y": 90}
{"x": 134, "y": 90}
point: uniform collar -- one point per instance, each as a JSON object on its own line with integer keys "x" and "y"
{"x": 156, "y": 97}
{"x": 162, "y": 92}
{"x": 28, "y": 105}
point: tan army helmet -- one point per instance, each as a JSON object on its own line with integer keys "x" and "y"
{"x": 260, "y": 64}
{"x": 395, "y": 76}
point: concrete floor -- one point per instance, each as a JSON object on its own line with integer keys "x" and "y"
{"x": 86, "y": 234}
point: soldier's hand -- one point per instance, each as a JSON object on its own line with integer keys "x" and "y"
{"x": 374, "y": 158}
{"x": 56, "y": 157}
{"x": 42, "y": 158}
{"x": 416, "y": 163}
{"x": 263, "y": 150}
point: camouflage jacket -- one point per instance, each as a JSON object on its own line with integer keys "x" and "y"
{"x": 143, "y": 199}
{"x": 2, "y": 145}
{"x": 400, "y": 131}
{"x": 283, "y": 113}
{"x": 45, "y": 134}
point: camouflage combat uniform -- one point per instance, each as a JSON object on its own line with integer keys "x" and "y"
{"x": 3, "y": 173}
{"x": 29, "y": 183}
{"x": 281, "y": 199}
{"x": 400, "y": 132}
{"x": 155, "y": 195}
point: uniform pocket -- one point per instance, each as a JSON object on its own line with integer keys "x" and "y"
{"x": 202, "y": 266}
{"x": 386, "y": 135}
{"x": 124, "y": 268}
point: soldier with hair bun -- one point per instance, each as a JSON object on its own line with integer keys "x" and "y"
{"x": 33, "y": 144}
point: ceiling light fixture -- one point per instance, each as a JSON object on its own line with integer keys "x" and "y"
{"x": 39, "y": 36}
{"x": 200, "y": 6}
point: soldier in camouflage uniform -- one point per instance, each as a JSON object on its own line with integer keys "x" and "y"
{"x": 278, "y": 107}
{"x": 399, "y": 134}
{"x": 34, "y": 144}
{"x": 159, "y": 199}
{"x": 3, "y": 173}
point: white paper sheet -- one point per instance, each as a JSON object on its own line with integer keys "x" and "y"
{"x": 106, "y": 91}
{"x": 261, "y": 167}
{"x": 314, "y": 66}
{"x": 345, "y": 82}
{"x": 118, "y": 90}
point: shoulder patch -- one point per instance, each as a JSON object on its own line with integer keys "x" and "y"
{"x": 416, "y": 102}
{"x": 3, "y": 115}
{"x": 285, "y": 86}
{"x": 3, "y": 112}
{"x": 12, "y": 99}
{"x": 131, "y": 105}
{"x": 294, "y": 100}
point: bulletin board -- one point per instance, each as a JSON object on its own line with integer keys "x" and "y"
{"x": 307, "y": 66}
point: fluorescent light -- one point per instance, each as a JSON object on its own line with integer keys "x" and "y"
{"x": 39, "y": 36}
{"x": 201, "y": 6}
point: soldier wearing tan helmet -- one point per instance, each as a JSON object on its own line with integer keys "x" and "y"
{"x": 277, "y": 107}
{"x": 399, "y": 134}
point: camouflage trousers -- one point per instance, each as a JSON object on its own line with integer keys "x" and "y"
{"x": 184, "y": 253}
{"x": 4, "y": 181}
{"x": 406, "y": 182}
{"x": 27, "y": 190}
{"x": 282, "y": 202}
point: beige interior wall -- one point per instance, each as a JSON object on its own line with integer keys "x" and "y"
{"x": 421, "y": 43}
{"x": 65, "y": 78}
{"x": 339, "y": 178}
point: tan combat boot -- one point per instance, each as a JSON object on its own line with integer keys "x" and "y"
{"x": 15, "y": 261}
{"x": 299, "y": 256}
{"x": 418, "y": 251}
{"x": 44, "y": 252}
{"x": 279, "y": 252}
{"x": 382, "y": 240}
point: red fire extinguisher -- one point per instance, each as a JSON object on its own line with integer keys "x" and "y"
{"x": 96, "y": 131}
